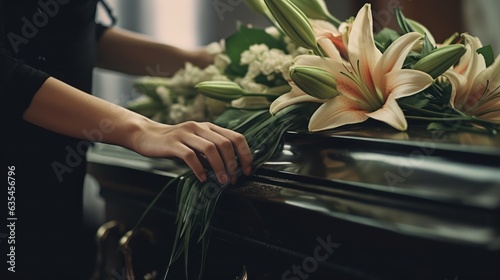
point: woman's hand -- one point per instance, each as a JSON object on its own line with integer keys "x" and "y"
{"x": 98, "y": 120}
{"x": 222, "y": 148}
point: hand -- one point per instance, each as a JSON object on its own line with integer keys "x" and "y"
{"x": 200, "y": 58}
{"x": 190, "y": 140}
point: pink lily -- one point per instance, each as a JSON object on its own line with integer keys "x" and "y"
{"x": 475, "y": 87}
{"x": 370, "y": 83}
{"x": 330, "y": 38}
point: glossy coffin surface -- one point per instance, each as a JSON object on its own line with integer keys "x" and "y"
{"x": 353, "y": 204}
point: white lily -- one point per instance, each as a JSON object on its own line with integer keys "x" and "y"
{"x": 471, "y": 62}
{"x": 369, "y": 83}
{"x": 475, "y": 87}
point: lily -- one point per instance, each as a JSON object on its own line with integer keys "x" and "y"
{"x": 329, "y": 38}
{"x": 369, "y": 83}
{"x": 471, "y": 62}
{"x": 475, "y": 87}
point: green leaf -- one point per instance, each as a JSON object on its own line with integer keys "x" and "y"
{"x": 417, "y": 100}
{"x": 488, "y": 54}
{"x": 405, "y": 26}
{"x": 428, "y": 46}
{"x": 385, "y": 37}
{"x": 436, "y": 126}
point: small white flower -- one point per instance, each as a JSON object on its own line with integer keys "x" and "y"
{"x": 249, "y": 85}
{"x": 250, "y": 102}
{"x": 247, "y": 57}
{"x": 178, "y": 113}
{"x": 215, "y": 48}
{"x": 259, "y": 48}
{"x": 221, "y": 61}
{"x": 273, "y": 31}
{"x": 164, "y": 93}
{"x": 254, "y": 69}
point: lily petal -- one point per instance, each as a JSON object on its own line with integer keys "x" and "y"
{"x": 406, "y": 82}
{"x": 492, "y": 116}
{"x": 477, "y": 62}
{"x": 321, "y": 26}
{"x": 332, "y": 46}
{"x": 336, "y": 112}
{"x": 391, "y": 114}
{"x": 296, "y": 95}
{"x": 458, "y": 88}
{"x": 361, "y": 46}
{"x": 484, "y": 93}
{"x": 329, "y": 38}
{"x": 489, "y": 77}
{"x": 489, "y": 111}
{"x": 394, "y": 57}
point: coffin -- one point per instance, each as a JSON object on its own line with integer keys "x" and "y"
{"x": 345, "y": 204}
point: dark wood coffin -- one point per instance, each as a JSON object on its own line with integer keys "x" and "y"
{"x": 353, "y": 204}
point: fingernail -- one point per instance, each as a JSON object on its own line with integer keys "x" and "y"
{"x": 203, "y": 177}
{"x": 223, "y": 179}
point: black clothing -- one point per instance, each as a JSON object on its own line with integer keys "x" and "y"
{"x": 38, "y": 39}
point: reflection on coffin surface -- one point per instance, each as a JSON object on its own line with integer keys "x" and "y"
{"x": 351, "y": 204}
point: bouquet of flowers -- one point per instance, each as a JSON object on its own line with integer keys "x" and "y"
{"x": 316, "y": 72}
{"x": 391, "y": 76}
{"x": 255, "y": 61}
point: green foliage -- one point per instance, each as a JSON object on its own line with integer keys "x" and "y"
{"x": 488, "y": 54}
{"x": 385, "y": 37}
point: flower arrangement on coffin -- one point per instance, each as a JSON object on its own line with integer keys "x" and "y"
{"x": 391, "y": 76}
{"x": 256, "y": 60}
{"x": 348, "y": 75}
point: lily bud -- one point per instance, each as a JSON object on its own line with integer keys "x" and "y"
{"x": 314, "y": 81}
{"x": 316, "y": 9}
{"x": 420, "y": 28}
{"x": 293, "y": 22}
{"x": 221, "y": 90}
{"x": 145, "y": 106}
{"x": 440, "y": 60}
{"x": 148, "y": 86}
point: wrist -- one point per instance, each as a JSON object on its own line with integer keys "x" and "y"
{"x": 141, "y": 131}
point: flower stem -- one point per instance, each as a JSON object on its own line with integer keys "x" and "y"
{"x": 427, "y": 112}
{"x": 257, "y": 94}
{"x": 437, "y": 119}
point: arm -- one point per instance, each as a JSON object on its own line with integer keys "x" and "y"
{"x": 98, "y": 120}
{"x": 136, "y": 54}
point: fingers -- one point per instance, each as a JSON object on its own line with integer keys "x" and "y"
{"x": 222, "y": 148}
{"x": 211, "y": 152}
{"x": 240, "y": 145}
{"x": 189, "y": 156}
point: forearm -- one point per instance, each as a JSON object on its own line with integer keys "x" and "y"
{"x": 136, "y": 54}
{"x": 66, "y": 110}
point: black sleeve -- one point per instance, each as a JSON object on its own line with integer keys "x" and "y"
{"x": 100, "y": 29}
{"x": 18, "y": 81}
